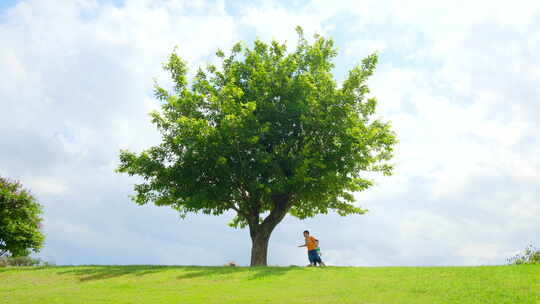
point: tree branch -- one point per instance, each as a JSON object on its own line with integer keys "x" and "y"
{"x": 282, "y": 204}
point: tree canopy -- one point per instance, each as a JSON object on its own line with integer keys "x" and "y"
{"x": 265, "y": 134}
{"x": 19, "y": 220}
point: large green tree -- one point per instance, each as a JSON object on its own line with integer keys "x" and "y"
{"x": 265, "y": 134}
{"x": 20, "y": 220}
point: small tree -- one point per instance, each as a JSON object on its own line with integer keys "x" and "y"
{"x": 19, "y": 220}
{"x": 531, "y": 255}
{"x": 265, "y": 134}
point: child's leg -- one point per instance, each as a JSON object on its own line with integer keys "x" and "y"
{"x": 319, "y": 260}
{"x": 311, "y": 262}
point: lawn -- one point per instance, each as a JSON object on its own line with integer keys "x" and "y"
{"x": 193, "y": 284}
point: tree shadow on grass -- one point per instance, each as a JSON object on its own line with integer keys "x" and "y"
{"x": 89, "y": 273}
{"x": 98, "y": 272}
{"x": 254, "y": 273}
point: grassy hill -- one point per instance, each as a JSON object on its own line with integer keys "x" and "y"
{"x": 191, "y": 284}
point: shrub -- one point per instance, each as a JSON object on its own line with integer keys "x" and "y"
{"x": 23, "y": 261}
{"x": 531, "y": 255}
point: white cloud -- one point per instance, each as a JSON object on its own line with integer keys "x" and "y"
{"x": 47, "y": 186}
{"x": 465, "y": 118}
{"x": 458, "y": 80}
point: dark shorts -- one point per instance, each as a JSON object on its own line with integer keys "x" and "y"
{"x": 313, "y": 257}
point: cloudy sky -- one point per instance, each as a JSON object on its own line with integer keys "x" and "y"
{"x": 458, "y": 79}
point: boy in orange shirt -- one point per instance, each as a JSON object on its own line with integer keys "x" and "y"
{"x": 312, "y": 244}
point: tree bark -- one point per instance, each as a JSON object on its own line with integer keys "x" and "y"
{"x": 259, "y": 249}
{"x": 260, "y": 232}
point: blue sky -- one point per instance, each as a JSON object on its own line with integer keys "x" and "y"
{"x": 457, "y": 79}
{"x": 6, "y": 4}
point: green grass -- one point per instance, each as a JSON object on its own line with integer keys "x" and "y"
{"x": 185, "y": 284}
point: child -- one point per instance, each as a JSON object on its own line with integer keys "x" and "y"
{"x": 321, "y": 263}
{"x": 312, "y": 245}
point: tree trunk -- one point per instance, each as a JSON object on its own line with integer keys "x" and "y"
{"x": 260, "y": 232}
{"x": 259, "y": 248}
